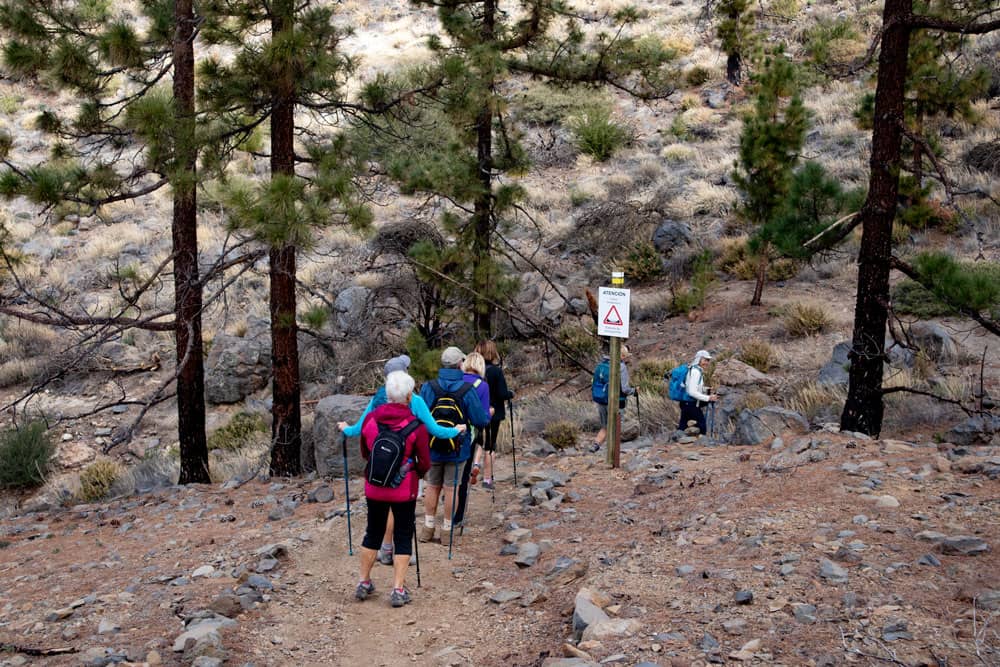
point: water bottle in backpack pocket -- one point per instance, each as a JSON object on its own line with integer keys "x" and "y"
{"x": 387, "y": 454}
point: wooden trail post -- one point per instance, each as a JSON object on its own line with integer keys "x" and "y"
{"x": 613, "y": 317}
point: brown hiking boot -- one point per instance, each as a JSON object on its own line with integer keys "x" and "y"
{"x": 425, "y": 533}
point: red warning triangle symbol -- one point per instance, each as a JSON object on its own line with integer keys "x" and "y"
{"x": 613, "y": 318}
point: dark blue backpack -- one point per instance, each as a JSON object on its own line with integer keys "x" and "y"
{"x": 599, "y": 386}
{"x": 677, "y": 389}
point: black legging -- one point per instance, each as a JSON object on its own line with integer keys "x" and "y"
{"x": 691, "y": 411}
{"x": 402, "y": 527}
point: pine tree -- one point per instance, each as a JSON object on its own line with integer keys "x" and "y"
{"x": 772, "y": 137}
{"x": 480, "y": 46}
{"x": 298, "y": 68}
{"x": 864, "y": 408}
{"x": 736, "y": 30}
{"x": 122, "y": 146}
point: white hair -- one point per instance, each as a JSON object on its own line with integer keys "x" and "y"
{"x": 398, "y": 387}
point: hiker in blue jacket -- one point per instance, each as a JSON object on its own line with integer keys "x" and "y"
{"x": 421, "y": 412}
{"x": 446, "y": 467}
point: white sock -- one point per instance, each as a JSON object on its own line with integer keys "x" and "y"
{"x": 428, "y": 521}
{"x": 445, "y": 525}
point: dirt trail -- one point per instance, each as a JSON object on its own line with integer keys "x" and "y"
{"x": 318, "y": 621}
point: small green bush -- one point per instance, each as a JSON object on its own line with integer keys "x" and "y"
{"x": 698, "y": 75}
{"x": 561, "y": 434}
{"x": 544, "y": 104}
{"x": 911, "y": 298}
{"x": 702, "y": 276}
{"x": 806, "y": 319}
{"x": 24, "y": 456}
{"x": 238, "y": 432}
{"x": 642, "y": 263}
{"x": 598, "y": 135}
{"x": 758, "y": 353}
{"x": 97, "y": 479}
{"x": 579, "y": 342}
{"x": 648, "y": 374}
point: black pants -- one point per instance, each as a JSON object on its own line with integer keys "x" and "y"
{"x": 491, "y": 432}
{"x": 691, "y": 411}
{"x": 463, "y": 491}
{"x": 402, "y": 528}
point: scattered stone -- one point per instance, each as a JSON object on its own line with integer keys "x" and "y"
{"x": 734, "y": 626}
{"x": 259, "y": 582}
{"x": 896, "y": 630}
{"x": 153, "y": 659}
{"x": 743, "y": 597}
{"x": 59, "y": 614}
{"x": 321, "y": 494}
{"x": 206, "y": 661}
{"x": 527, "y": 554}
{"x": 517, "y": 535}
{"x": 708, "y": 643}
{"x": 859, "y": 520}
{"x": 963, "y": 545}
{"x": 226, "y": 604}
{"x": 586, "y": 611}
{"x": 684, "y": 570}
{"x": 107, "y": 626}
{"x": 804, "y": 613}
{"x": 832, "y": 572}
{"x": 929, "y": 559}
{"x": 617, "y": 627}
{"x": 199, "y": 630}
{"x": 886, "y": 502}
{"x": 266, "y": 564}
{"x": 203, "y": 571}
{"x": 786, "y": 570}
{"x": 747, "y": 651}
{"x": 505, "y": 596}
{"x": 930, "y": 536}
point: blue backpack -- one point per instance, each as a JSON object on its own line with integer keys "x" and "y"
{"x": 677, "y": 389}
{"x": 599, "y": 385}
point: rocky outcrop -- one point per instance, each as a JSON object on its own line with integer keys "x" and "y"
{"x": 326, "y": 437}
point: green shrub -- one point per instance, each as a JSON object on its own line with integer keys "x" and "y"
{"x": 702, "y": 276}
{"x": 561, "y": 434}
{"x": 642, "y": 263}
{"x": 697, "y": 75}
{"x": 597, "y": 134}
{"x": 238, "y": 432}
{"x": 758, "y": 353}
{"x": 578, "y": 342}
{"x": 24, "y": 456}
{"x": 544, "y": 104}
{"x": 97, "y": 479}
{"x": 911, "y": 298}
{"x": 648, "y": 374}
{"x": 806, "y": 319}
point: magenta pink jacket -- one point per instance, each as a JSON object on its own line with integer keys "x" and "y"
{"x": 396, "y": 416}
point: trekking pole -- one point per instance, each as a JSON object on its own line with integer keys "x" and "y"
{"x": 711, "y": 420}
{"x": 638, "y": 411}
{"x": 493, "y": 469}
{"x": 454, "y": 501}
{"x": 347, "y": 495}
{"x": 513, "y": 445}
{"x": 416, "y": 549}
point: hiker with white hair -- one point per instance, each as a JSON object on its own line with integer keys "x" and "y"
{"x": 692, "y": 395}
{"x": 419, "y": 408}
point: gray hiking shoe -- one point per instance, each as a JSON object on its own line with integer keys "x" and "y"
{"x": 384, "y": 556}
{"x": 364, "y": 589}
{"x": 399, "y": 597}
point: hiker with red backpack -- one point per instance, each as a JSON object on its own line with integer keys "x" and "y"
{"x": 453, "y": 401}
{"x": 421, "y": 411}
{"x": 394, "y": 443}
{"x": 599, "y": 392}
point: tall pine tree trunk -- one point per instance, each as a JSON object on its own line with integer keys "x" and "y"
{"x": 762, "y": 264}
{"x": 483, "y": 205}
{"x": 864, "y": 409}
{"x": 734, "y": 63}
{"x": 286, "y": 427}
{"x": 187, "y": 286}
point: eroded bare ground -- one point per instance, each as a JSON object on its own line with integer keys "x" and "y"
{"x": 670, "y": 540}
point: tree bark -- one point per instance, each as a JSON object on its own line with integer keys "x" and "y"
{"x": 187, "y": 286}
{"x": 734, "y": 63}
{"x": 286, "y": 425}
{"x": 483, "y": 205}
{"x": 863, "y": 410}
{"x": 762, "y": 263}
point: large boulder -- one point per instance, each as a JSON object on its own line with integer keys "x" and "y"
{"x": 326, "y": 437}
{"x": 237, "y": 366}
{"x": 976, "y": 430}
{"x": 543, "y": 301}
{"x": 837, "y": 370}
{"x": 734, "y": 373}
{"x": 936, "y": 342}
{"x": 671, "y": 235}
{"x": 352, "y": 306}
{"x": 756, "y": 426}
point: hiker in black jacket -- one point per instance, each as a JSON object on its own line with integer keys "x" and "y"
{"x": 499, "y": 395}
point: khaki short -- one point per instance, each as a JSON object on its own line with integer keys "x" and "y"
{"x": 443, "y": 474}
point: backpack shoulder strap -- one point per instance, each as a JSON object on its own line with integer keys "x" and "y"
{"x": 462, "y": 391}
{"x": 409, "y": 428}
{"x": 436, "y": 388}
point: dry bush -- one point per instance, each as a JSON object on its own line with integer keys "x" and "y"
{"x": 561, "y": 434}
{"x": 581, "y": 343}
{"x": 676, "y": 153}
{"x": 702, "y": 197}
{"x": 806, "y": 319}
{"x": 601, "y": 229}
{"x": 659, "y": 415}
{"x": 816, "y": 401}
{"x": 760, "y": 354}
{"x": 24, "y": 456}
{"x": 239, "y": 464}
{"x": 24, "y": 347}
{"x": 757, "y": 399}
{"x": 984, "y": 157}
{"x": 549, "y": 409}
{"x": 648, "y": 374}
{"x": 97, "y": 479}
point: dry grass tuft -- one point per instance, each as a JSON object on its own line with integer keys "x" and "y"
{"x": 760, "y": 354}
{"x": 806, "y": 319}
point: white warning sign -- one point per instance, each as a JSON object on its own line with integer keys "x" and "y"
{"x": 613, "y": 312}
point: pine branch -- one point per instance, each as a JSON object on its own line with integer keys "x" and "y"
{"x": 923, "y": 22}
{"x": 906, "y": 269}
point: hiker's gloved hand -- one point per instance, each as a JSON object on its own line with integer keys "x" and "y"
{"x": 713, "y": 398}
{"x": 342, "y": 425}
{"x": 461, "y": 428}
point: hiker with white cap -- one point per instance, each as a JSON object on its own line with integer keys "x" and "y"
{"x": 694, "y": 386}
{"x": 420, "y": 410}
